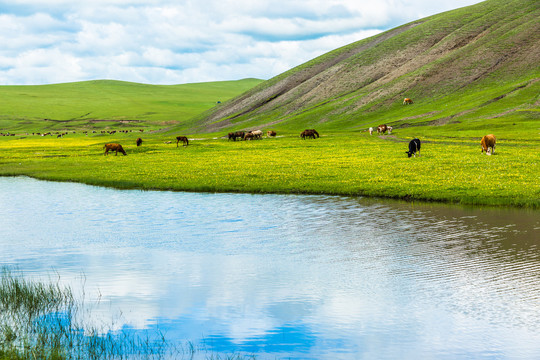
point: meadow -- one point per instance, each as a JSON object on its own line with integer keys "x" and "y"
{"x": 101, "y": 104}
{"x": 451, "y": 170}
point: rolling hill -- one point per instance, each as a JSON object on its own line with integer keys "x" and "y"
{"x": 472, "y": 67}
{"x": 108, "y": 103}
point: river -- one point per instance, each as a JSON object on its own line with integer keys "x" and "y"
{"x": 287, "y": 276}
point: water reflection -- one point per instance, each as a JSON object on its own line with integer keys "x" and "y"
{"x": 288, "y": 276}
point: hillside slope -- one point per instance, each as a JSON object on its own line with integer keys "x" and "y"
{"x": 482, "y": 60}
{"x": 108, "y": 103}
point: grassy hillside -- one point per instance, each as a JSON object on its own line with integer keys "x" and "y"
{"x": 471, "y": 68}
{"x": 113, "y": 104}
{"x": 470, "y": 72}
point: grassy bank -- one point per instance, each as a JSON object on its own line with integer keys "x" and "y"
{"x": 450, "y": 169}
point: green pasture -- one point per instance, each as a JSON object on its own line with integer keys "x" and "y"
{"x": 107, "y": 104}
{"x": 341, "y": 163}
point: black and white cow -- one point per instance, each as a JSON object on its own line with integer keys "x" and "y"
{"x": 414, "y": 146}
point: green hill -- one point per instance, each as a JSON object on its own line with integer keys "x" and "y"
{"x": 106, "y": 103}
{"x": 470, "y": 68}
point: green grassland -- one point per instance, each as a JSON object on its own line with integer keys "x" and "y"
{"x": 471, "y": 72}
{"x": 337, "y": 163}
{"x": 107, "y": 104}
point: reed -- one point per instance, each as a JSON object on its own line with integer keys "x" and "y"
{"x": 44, "y": 320}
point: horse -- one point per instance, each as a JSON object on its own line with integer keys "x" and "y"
{"x": 309, "y": 133}
{"x": 237, "y": 134}
{"x": 407, "y": 101}
{"x": 183, "y": 139}
{"x": 257, "y": 134}
{"x": 114, "y": 147}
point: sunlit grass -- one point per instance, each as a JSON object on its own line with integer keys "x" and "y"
{"x": 449, "y": 170}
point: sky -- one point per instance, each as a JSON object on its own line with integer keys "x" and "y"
{"x": 185, "y": 41}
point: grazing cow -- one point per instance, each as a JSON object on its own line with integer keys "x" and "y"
{"x": 370, "y": 131}
{"x": 231, "y": 136}
{"x": 249, "y": 136}
{"x": 488, "y": 143}
{"x": 407, "y": 101}
{"x": 389, "y": 128}
{"x": 257, "y": 134}
{"x": 271, "y": 133}
{"x": 381, "y": 129}
{"x": 114, "y": 147}
{"x": 139, "y": 142}
{"x": 183, "y": 139}
{"x": 414, "y": 146}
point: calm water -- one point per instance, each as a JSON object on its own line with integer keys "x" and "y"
{"x": 299, "y": 277}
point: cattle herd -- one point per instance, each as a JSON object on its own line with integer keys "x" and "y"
{"x": 487, "y": 142}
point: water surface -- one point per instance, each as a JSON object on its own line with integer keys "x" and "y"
{"x": 287, "y": 277}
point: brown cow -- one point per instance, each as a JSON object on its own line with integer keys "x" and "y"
{"x": 309, "y": 133}
{"x": 114, "y": 147}
{"x": 381, "y": 129}
{"x": 407, "y": 101}
{"x": 183, "y": 139}
{"x": 271, "y": 133}
{"x": 249, "y": 136}
{"x": 139, "y": 142}
{"x": 488, "y": 142}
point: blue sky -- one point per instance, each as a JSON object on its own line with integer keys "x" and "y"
{"x": 175, "y": 42}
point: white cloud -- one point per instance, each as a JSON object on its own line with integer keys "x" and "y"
{"x": 164, "y": 42}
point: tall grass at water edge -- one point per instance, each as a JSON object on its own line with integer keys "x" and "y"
{"x": 43, "y": 320}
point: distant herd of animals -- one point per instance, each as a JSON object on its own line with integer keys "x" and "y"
{"x": 487, "y": 142}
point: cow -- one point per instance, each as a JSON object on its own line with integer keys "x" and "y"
{"x": 389, "y": 128}
{"x": 249, "y": 136}
{"x": 381, "y": 129}
{"x": 414, "y": 146}
{"x": 114, "y": 147}
{"x": 183, "y": 139}
{"x": 139, "y": 142}
{"x": 488, "y": 143}
{"x": 309, "y": 133}
{"x": 271, "y": 133}
{"x": 407, "y": 101}
{"x": 231, "y": 136}
{"x": 370, "y": 131}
